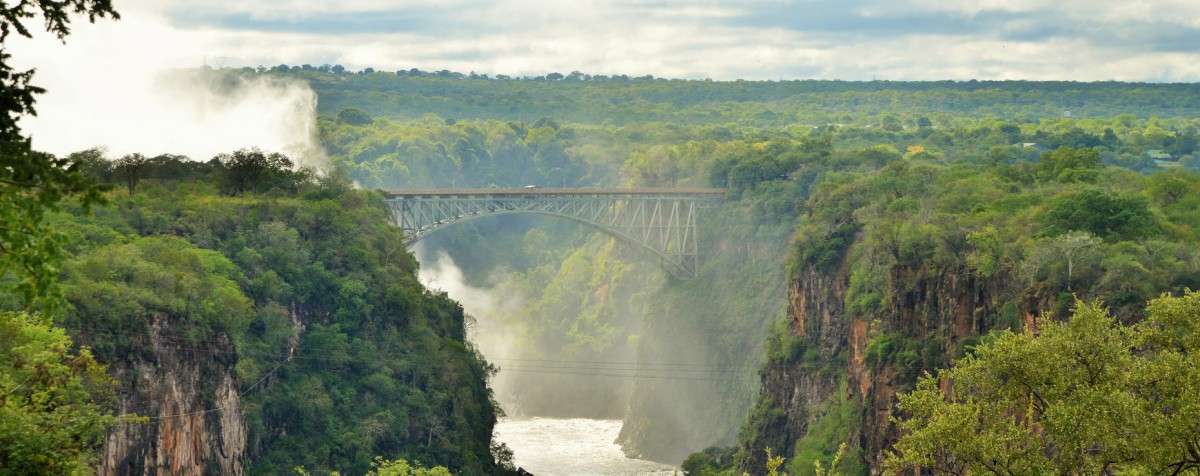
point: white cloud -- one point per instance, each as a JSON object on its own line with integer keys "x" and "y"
{"x": 1178, "y": 12}
{"x": 285, "y": 9}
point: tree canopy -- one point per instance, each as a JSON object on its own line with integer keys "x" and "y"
{"x": 32, "y": 182}
{"x": 1084, "y": 396}
{"x": 54, "y": 401}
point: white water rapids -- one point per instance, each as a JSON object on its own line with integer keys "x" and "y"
{"x": 571, "y": 447}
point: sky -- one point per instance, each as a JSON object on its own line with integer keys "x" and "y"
{"x": 1084, "y": 40}
{"x": 1129, "y": 40}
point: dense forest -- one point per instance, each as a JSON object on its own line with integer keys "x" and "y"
{"x": 288, "y": 290}
{"x": 267, "y": 313}
{"x": 871, "y": 232}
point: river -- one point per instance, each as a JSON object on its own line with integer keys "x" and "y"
{"x": 574, "y": 447}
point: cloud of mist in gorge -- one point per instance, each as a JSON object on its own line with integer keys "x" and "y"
{"x": 488, "y": 307}
{"x": 141, "y": 88}
{"x": 558, "y": 357}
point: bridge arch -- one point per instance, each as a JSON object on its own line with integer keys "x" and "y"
{"x": 661, "y": 222}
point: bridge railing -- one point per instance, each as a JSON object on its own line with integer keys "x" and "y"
{"x": 543, "y": 192}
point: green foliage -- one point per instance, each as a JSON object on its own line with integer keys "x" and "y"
{"x": 400, "y": 467}
{"x": 33, "y": 182}
{"x": 1089, "y": 395}
{"x": 252, "y": 170}
{"x": 912, "y": 356}
{"x": 888, "y": 107}
{"x": 130, "y": 169}
{"x": 313, "y": 285}
{"x": 867, "y": 293}
{"x": 125, "y": 287}
{"x": 395, "y": 467}
{"x": 31, "y": 251}
{"x": 773, "y": 464}
{"x": 823, "y": 450}
{"x": 1067, "y": 165}
{"x": 783, "y": 346}
{"x": 1108, "y": 216}
{"x": 987, "y": 253}
{"x": 354, "y": 116}
{"x": 55, "y": 403}
{"x": 762, "y": 426}
{"x": 712, "y": 461}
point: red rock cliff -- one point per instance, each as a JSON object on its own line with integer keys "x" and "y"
{"x": 838, "y": 355}
{"x": 191, "y": 397}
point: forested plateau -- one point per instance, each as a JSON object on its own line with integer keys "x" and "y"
{"x": 871, "y": 232}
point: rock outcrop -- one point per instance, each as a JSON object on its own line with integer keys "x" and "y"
{"x": 190, "y": 396}
{"x": 846, "y": 359}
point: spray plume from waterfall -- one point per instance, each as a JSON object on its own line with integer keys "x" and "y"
{"x": 139, "y": 89}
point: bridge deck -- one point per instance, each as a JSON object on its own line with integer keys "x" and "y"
{"x": 556, "y": 192}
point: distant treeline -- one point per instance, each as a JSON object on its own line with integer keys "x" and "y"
{"x": 588, "y": 98}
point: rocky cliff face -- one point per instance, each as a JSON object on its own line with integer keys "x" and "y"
{"x": 191, "y": 397}
{"x": 795, "y": 396}
{"x": 847, "y": 360}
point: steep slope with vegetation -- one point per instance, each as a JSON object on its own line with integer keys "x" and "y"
{"x": 899, "y": 269}
{"x": 267, "y": 324}
{"x": 1094, "y": 396}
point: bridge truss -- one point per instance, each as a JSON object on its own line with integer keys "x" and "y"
{"x": 661, "y": 222}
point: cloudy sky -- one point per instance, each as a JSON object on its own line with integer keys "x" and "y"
{"x": 1147, "y": 40}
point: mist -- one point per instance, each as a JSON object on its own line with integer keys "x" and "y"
{"x": 487, "y": 308}
{"x": 559, "y": 356}
{"x": 150, "y": 89}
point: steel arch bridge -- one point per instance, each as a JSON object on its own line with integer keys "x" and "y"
{"x": 659, "y": 221}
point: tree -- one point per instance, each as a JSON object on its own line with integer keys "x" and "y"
{"x": 54, "y": 403}
{"x": 32, "y": 182}
{"x": 1069, "y": 165}
{"x": 93, "y": 164}
{"x": 130, "y": 169}
{"x": 248, "y": 170}
{"x": 889, "y": 122}
{"x": 1171, "y": 377}
{"x": 400, "y": 467}
{"x": 987, "y": 251}
{"x": 1085, "y": 396}
{"x": 1106, "y": 215}
{"x": 395, "y": 467}
{"x": 1074, "y": 250}
{"x": 354, "y": 116}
